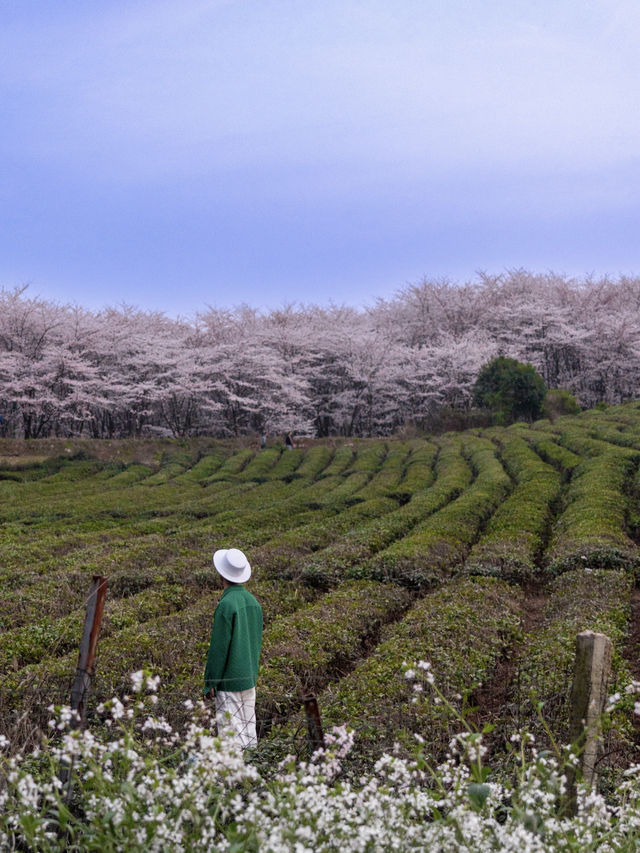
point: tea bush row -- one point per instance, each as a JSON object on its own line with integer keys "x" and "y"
{"x": 420, "y": 472}
{"x": 206, "y": 466}
{"x": 285, "y": 467}
{"x": 614, "y": 434}
{"x": 284, "y": 508}
{"x": 546, "y": 446}
{"x": 513, "y": 541}
{"x": 461, "y": 630}
{"x": 580, "y": 600}
{"x": 577, "y": 439}
{"x": 287, "y": 552}
{"x": 387, "y": 480}
{"x": 320, "y": 642}
{"x": 355, "y": 546}
{"x": 174, "y": 646}
{"x": 369, "y": 458}
{"x": 328, "y": 498}
{"x": 341, "y": 458}
{"x": 431, "y": 551}
{"x": 100, "y": 552}
{"x": 45, "y": 637}
{"x": 592, "y": 528}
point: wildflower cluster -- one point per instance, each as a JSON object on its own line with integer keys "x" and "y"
{"x": 146, "y": 787}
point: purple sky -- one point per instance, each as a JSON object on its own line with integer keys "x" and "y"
{"x": 173, "y": 155}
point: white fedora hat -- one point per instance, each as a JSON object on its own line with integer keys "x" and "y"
{"x": 232, "y": 565}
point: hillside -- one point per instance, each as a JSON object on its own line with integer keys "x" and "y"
{"x": 482, "y": 552}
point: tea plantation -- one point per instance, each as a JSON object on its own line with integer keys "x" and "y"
{"x": 482, "y": 552}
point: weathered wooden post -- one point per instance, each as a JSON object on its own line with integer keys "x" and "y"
{"x": 587, "y": 705}
{"x": 314, "y": 724}
{"x": 86, "y": 666}
{"x": 88, "y": 646}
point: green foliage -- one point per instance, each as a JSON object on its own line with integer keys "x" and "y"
{"x": 46, "y": 637}
{"x": 592, "y": 528}
{"x": 75, "y": 467}
{"x": 390, "y": 473}
{"x": 511, "y": 389}
{"x": 410, "y": 512}
{"x": 173, "y": 644}
{"x": 341, "y": 458}
{"x": 172, "y": 464}
{"x": 232, "y": 466}
{"x": 369, "y": 457}
{"x": 603, "y": 428}
{"x": 206, "y": 466}
{"x": 546, "y": 446}
{"x": 288, "y": 551}
{"x": 286, "y": 465}
{"x": 580, "y": 600}
{"x": 271, "y": 506}
{"x": 559, "y": 402}
{"x": 315, "y": 460}
{"x": 358, "y": 544}
{"x": 515, "y": 536}
{"x": 431, "y": 551}
{"x": 302, "y": 653}
{"x": 260, "y": 465}
{"x": 345, "y": 491}
{"x": 420, "y": 469}
{"x": 593, "y": 433}
{"x": 460, "y": 629}
{"x": 131, "y": 474}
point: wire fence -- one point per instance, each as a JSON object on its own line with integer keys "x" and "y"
{"x": 289, "y": 723}
{"x": 381, "y": 725}
{"x": 293, "y": 723}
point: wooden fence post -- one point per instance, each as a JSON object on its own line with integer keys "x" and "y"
{"x": 587, "y": 704}
{"x": 86, "y": 665}
{"x": 88, "y": 647}
{"x": 314, "y": 724}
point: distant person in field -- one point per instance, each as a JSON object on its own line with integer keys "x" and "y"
{"x": 263, "y": 441}
{"x": 231, "y": 671}
{"x": 289, "y": 441}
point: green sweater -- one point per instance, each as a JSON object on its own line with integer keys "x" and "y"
{"x": 236, "y": 640}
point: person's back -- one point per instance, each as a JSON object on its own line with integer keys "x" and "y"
{"x": 231, "y": 671}
{"x": 240, "y": 622}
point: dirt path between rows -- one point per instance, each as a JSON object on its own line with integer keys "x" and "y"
{"x": 497, "y": 701}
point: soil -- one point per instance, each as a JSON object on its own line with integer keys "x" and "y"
{"x": 494, "y": 701}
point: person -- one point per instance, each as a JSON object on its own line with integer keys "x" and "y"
{"x": 263, "y": 441}
{"x": 231, "y": 671}
{"x": 289, "y": 441}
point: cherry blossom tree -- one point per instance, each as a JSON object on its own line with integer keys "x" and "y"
{"x": 309, "y": 369}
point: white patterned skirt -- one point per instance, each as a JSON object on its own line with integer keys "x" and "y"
{"x": 236, "y": 715}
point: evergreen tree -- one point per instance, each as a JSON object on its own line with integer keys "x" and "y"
{"x": 511, "y": 389}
